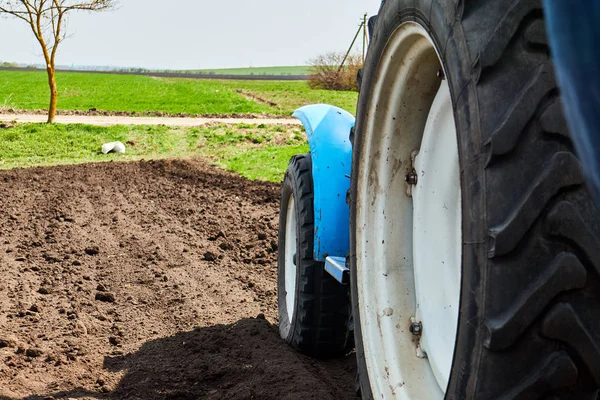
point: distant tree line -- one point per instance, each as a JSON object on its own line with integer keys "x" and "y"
{"x": 133, "y": 70}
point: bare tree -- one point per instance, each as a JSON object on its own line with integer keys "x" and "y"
{"x": 47, "y": 19}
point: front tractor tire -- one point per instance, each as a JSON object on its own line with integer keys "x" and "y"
{"x": 314, "y": 308}
{"x": 475, "y": 261}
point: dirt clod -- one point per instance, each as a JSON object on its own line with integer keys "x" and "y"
{"x": 43, "y": 290}
{"x": 226, "y": 246}
{"x": 92, "y": 251}
{"x": 33, "y": 353}
{"x": 101, "y": 288}
{"x": 105, "y": 297}
{"x": 210, "y": 256}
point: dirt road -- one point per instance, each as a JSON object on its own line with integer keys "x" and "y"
{"x": 120, "y": 120}
{"x": 149, "y": 280}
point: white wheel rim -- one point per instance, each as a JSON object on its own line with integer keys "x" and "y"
{"x": 409, "y": 249}
{"x": 290, "y": 253}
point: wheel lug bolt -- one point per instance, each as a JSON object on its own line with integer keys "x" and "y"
{"x": 416, "y": 328}
{"x": 411, "y": 178}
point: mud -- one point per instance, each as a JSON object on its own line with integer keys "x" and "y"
{"x": 146, "y": 280}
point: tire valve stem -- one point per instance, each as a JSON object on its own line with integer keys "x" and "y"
{"x": 441, "y": 74}
{"x": 416, "y": 328}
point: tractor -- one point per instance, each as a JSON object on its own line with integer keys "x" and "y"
{"x": 446, "y": 234}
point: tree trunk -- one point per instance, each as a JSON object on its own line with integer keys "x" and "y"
{"x": 53, "y": 94}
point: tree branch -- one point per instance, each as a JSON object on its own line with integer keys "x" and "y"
{"x": 56, "y": 29}
{"x": 19, "y": 14}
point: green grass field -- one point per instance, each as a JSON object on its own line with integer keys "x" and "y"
{"x": 28, "y": 90}
{"x": 295, "y": 70}
{"x": 254, "y": 151}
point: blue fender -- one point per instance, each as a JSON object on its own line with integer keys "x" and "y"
{"x": 328, "y": 131}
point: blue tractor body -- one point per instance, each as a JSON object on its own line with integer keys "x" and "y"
{"x": 328, "y": 130}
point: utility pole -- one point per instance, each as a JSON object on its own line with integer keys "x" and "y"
{"x": 365, "y": 38}
{"x": 363, "y": 26}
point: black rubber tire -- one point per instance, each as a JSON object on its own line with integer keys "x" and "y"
{"x": 319, "y": 326}
{"x": 529, "y": 324}
{"x": 371, "y": 26}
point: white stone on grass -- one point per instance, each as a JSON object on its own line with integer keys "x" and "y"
{"x": 115, "y": 147}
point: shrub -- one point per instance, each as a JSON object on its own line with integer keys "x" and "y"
{"x": 325, "y": 72}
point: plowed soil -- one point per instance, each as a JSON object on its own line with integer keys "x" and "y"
{"x": 146, "y": 280}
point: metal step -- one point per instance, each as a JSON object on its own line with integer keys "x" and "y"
{"x": 336, "y": 267}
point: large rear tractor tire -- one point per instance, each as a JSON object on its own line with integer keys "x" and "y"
{"x": 475, "y": 246}
{"x": 314, "y": 308}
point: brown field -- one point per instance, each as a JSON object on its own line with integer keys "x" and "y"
{"x": 146, "y": 280}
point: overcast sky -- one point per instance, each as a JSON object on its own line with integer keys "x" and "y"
{"x": 190, "y": 34}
